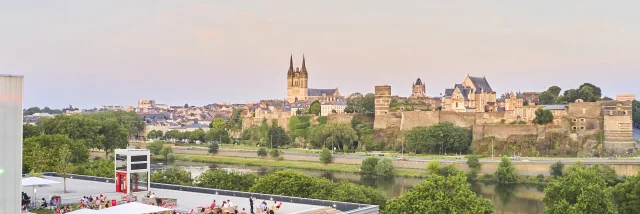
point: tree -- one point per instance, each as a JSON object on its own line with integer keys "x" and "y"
{"x": 235, "y": 121}
{"x": 29, "y": 130}
{"x": 274, "y": 153}
{"x": 173, "y": 175}
{"x": 155, "y": 147}
{"x": 438, "y": 194}
{"x": 555, "y": 169}
{"x": 314, "y": 109}
{"x": 546, "y": 98}
{"x": 65, "y": 166}
{"x": 368, "y": 165}
{"x": 439, "y": 138}
{"x": 325, "y": 156}
{"x": 43, "y": 152}
{"x": 473, "y": 161}
{"x": 580, "y": 190}
{"x": 98, "y": 167}
{"x": 167, "y": 153}
{"x": 626, "y": 196}
{"x": 554, "y": 91}
{"x": 278, "y": 137}
{"x": 213, "y": 148}
{"x": 221, "y": 179}
{"x": 322, "y": 120}
{"x": 151, "y": 135}
{"x": 218, "y": 124}
{"x": 543, "y": 116}
{"x": 173, "y": 135}
{"x": 506, "y": 171}
{"x": 213, "y": 135}
{"x": 197, "y": 135}
{"x": 112, "y": 136}
{"x": 571, "y": 95}
{"x": 385, "y": 167}
{"x": 635, "y": 106}
{"x": 589, "y": 92}
{"x": 363, "y": 104}
{"x": 262, "y": 152}
{"x": 339, "y": 135}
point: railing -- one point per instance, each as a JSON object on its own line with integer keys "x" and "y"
{"x": 345, "y": 207}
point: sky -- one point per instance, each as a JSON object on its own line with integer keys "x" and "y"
{"x": 92, "y": 53}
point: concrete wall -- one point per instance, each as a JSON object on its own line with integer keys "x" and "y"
{"x": 11, "y": 143}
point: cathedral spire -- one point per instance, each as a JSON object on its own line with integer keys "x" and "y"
{"x": 304, "y": 67}
{"x": 290, "y": 73}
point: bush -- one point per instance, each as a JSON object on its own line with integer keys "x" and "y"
{"x": 262, "y": 152}
{"x": 167, "y": 153}
{"x": 385, "y": 167}
{"x": 213, "y": 148}
{"x": 173, "y": 175}
{"x": 155, "y": 147}
{"x": 506, "y": 171}
{"x": 556, "y": 169}
{"x": 473, "y": 161}
{"x": 325, "y": 156}
{"x": 274, "y": 153}
{"x": 369, "y": 165}
{"x": 540, "y": 178}
{"x": 433, "y": 167}
{"x": 221, "y": 179}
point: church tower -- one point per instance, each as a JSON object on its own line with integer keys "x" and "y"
{"x": 418, "y": 89}
{"x": 297, "y": 82}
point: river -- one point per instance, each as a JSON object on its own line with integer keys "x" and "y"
{"x": 508, "y": 199}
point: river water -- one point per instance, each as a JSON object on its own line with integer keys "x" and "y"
{"x": 508, "y": 199}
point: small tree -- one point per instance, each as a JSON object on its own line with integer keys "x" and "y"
{"x": 506, "y": 171}
{"x": 385, "y": 167}
{"x": 325, "y": 156}
{"x": 167, "y": 153}
{"x": 315, "y": 108}
{"x": 65, "y": 164}
{"x": 369, "y": 165}
{"x": 433, "y": 167}
{"x": 155, "y": 147}
{"x": 556, "y": 169}
{"x": 274, "y": 153}
{"x": 543, "y": 117}
{"x": 262, "y": 152}
{"x": 474, "y": 165}
{"x": 213, "y": 148}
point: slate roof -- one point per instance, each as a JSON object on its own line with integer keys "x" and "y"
{"x": 418, "y": 82}
{"x": 481, "y": 84}
{"x": 313, "y": 92}
{"x": 448, "y": 92}
{"x": 555, "y": 107}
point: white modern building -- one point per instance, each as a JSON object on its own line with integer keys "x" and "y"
{"x": 133, "y": 170}
{"x": 11, "y": 143}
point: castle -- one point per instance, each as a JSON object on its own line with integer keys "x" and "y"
{"x": 298, "y": 89}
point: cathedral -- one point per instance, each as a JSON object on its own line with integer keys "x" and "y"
{"x": 298, "y": 89}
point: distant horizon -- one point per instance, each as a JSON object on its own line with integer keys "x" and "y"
{"x": 89, "y": 54}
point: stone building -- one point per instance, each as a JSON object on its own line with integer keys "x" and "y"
{"x": 382, "y": 99}
{"x": 474, "y": 94}
{"x": 618, "y": 127}
{"x": 333, "y": 107}
{"x": 298, "y": 87}
{"x": 418, "y": 90}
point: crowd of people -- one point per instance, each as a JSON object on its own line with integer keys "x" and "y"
{"x": 228, "y": 206}
{"x": 97, "y": 202}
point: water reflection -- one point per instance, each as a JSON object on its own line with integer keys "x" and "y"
{"x": 508, "y": 199}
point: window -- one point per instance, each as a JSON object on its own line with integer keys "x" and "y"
{"x": 582, "y": 120}
{"x": 575, "y": 120}
{"x": 625, "y": 112}
{"x": 138, "y": 166}
{"x": 456, "y": 104}
{"x": 581, "y": 127}
{"x": 138, "y": 158}
{"x": 574, "y": 128}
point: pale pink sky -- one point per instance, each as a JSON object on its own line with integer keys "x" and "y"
{"x": 90, "y": 53}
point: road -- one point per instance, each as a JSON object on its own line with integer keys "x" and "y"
{"x": 636, "y": 133}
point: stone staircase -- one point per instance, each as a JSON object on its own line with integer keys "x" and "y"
{"x": 326, "y": 210}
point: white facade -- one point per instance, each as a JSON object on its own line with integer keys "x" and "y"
{"x": 133, "y": 170}
{"x": 327, "y": 109}
{"x": 11, "y": 143}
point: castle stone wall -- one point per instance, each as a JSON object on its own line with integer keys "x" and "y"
{"x": 413, "y": 119}
{"x": 503, "y": 131}
{"x": 339, "y": 118}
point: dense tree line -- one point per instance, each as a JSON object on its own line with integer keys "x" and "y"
{"x": 439, "y": 138}
{"x": 635, "y": 106}
{"x": 362, "y": 104}
{"x": 33, "y": 110}
{"x": 587, "y": 92}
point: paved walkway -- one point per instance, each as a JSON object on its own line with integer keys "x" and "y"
{"x": 186, "y": 200}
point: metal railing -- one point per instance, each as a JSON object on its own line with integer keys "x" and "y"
{"x": 345, "y": 207}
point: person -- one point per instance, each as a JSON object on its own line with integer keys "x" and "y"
{"x": 243, "y": 211}
{"x": 213, "y": 205}
{"x": 67, "y": 208}
{"x": 229, "y": 204}
{"x": 263, "y": 206}
{"x": 98, "y": 203}
{"x": 224, "y": 204}
{"x": 149, "y": 194}
{"x": 251, "y": 204}
{"x": 52, "y": 202}
{"x": 235, "y": 211}
{"x": 153, "y": 195}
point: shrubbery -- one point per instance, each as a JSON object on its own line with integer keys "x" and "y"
{"x": 376, "y": 166}
{"x": 274, "y": 153}
{"x": 506, "y": 171}
{"x": 262, "y": 152}
{"x": 221, "y": 179}
{"x": 325, "y": 156}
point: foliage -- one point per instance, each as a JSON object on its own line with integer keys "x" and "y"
{"x": 98, "y": 168}
{"x": 262, "y": 152}
{"x": 33, "y": 110}
{"x": 626, "y": 195}
{"x": 219, "y": 136}
{"x": 473, "y": 161}
{"x": 292, "y": 183}
{"x": 155, "y": 147}
{"x": 221, "y": 179}
{"x": 550, "y": 95}
{"x": 64, "y": 167}
{"x": 322, "y": 120}
{"x": 438, "y": 194}
{"x": 543, "y": 116}
{"x": 607, "y": 173}
{"x": 446, "y": 171}
{"x": 385, "y": 167}
{"x": 506, "y": 171}
{"x": 325, "y": 156}
{"x": 368, "y": 165}
{"x": 42, "y": 153}
{"x": 298, "y": 126}
{"x": 235, "y": 121}
{"x": 197, "y": 135}
{"x": 213, "y": 148}
{"x": 112, "y": 136}
{"x": 274, "y": 153}
{"x": 358, "y": 103}
{"x": 167, "y": 153}
{"x": 252, "y": 133}
{"x": 580, "y": 190}
{"x": 29, "y": 130}
{"x": 155, "y": 134}
{"x": 439, "y": 138}
{"x": 173, "y": 175}
{"x": 635, "y": 107}
{"x": 339, "y": 135}
{"x": 218, "y": 124}
{"x": 278, "y": 137}
{"x": 314, "y": 109}
{"x": 555, "y": 169}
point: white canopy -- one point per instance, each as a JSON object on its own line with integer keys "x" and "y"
{"x": 83, "y": 211}
{"x": 35, "y": 181}
{"x": 133, "y": 208}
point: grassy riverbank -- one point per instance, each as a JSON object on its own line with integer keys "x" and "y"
{"x": 310, "y": 165}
